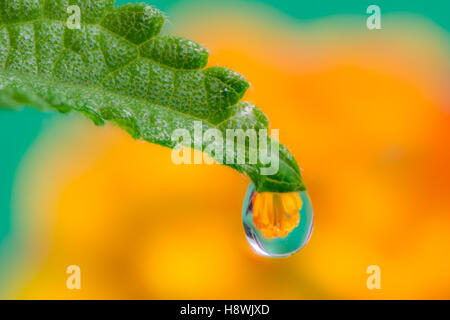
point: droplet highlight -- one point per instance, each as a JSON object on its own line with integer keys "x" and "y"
{"x": 277, "y": 224}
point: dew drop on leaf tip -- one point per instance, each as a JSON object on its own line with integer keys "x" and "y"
{"x": 277, "y": 224}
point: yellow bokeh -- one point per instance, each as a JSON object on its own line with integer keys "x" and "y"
{"x": 368, "y": 120}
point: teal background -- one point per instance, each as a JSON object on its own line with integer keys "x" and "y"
{"x": 18, "y": 129}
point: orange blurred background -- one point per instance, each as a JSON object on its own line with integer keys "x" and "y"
{"x": 366, "y": 114}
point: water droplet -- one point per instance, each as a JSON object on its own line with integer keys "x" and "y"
{"x": 277, "y": 238}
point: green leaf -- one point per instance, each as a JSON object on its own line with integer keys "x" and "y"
{"x": 118, "y": 68}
